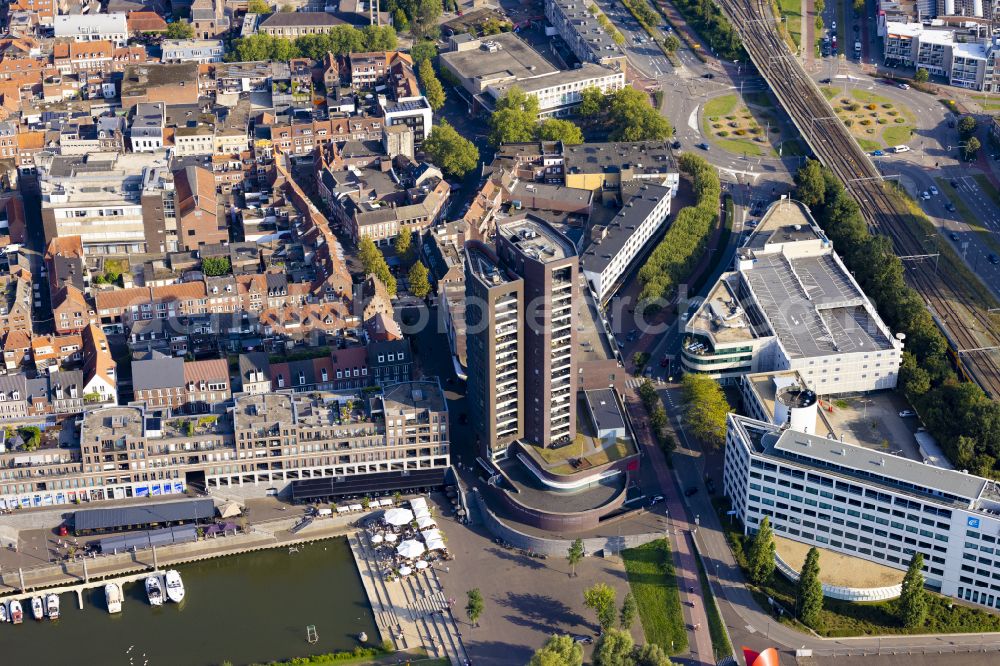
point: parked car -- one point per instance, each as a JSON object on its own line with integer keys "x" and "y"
{"x": 904, "y": 86}
{"x": 878, "y": 153}
{"x": 703, "y": 146}
{"x": 907, "y": 413}
{"x": 933, "y": 190}
{"x": 586, "y": 640}
{"x": 993, "y": 259}
{"x": 954, "y": 184}
{"x": 925, "y": 195}
{"x": 825, "y": 80}
{"x": 953, "y": 236}
{"x": 950, "y": 207}
{"x": 676, "y": 145}
{"x": 690, "y": 491}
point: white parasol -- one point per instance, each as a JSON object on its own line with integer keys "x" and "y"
{"x": 421, "y": 564}
{"x": 398, "y": 517}
{"x": 377, "y": 538}
{"x": 410, "y": 549}
{"x": 405, "y": 571}
{"x": 423, "y": 522}
{"x": 390, "y": 537}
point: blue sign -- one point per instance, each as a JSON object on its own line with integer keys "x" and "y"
{"x": 972, "y": 522}
{"x": 142, "y": 491}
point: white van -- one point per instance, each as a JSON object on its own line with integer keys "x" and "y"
{"x": 901, "y": 149}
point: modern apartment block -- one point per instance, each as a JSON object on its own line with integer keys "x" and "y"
{"x": 791, "y": 304}
{"x": 262, "y": 441}
{"x": 494, "y": 312}
{"x": 548, "y": 264}
{"x": 520, "y": 337}
{"x": 963, "y": 59}
{"x": 868, "y": 504}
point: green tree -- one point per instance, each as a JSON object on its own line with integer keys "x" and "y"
{"x": 424, "y": 18}
{"x": 632, "y": 118}
{"x": 399, "y": 19}
{"x": 559, "y": 650}
{"x": 810, "y": 184}
{"x": 705, "y": 408}
{"x": 600, "y": 598}
{"x": 912, "y": 602}
{"x": 31, "y": 435}
{"x": 474, "y": 606}
{"x": 858, "y": 5}
{"x": 553, "y": 129}
{"x": 420, "y": 286}
{"x": 449, "y": 150}
{"x": 613, "y": 648}
{"x": 403, "y": 242}
{"x": 425, "y": 49}
{"x": 591, "y": 102}
{"x": 760, "y": 559}
{"x": 628, "y": 612}
{"x": 671, "y": 43}
{"x": 971, "y": 148}
{"x": 179, "y": 30}
{"x": 575, "y": 555}
{"x": 215, "y": 266}
{"x": 258, "y": 7}
{"x": 433, "y": 89}
{"x": 515, "y": 118}
{"x": 650, "y": 654}
{"x": 967, "y": 126}
{"x": 809, "y": 591}
{"x": 374, "y": 263}
{"x": 921, "y": 76}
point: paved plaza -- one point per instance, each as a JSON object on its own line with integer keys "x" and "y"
{"x": 527, "y": 599}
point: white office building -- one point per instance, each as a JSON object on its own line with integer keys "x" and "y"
{"x": 92, "y": 27}
{"x": 560, "y": 93}
{"x": 202, "y": 51}
{"x": 868, "y": 504}
{"x": 618, "y": 243}
{"x": 791, "y": 304}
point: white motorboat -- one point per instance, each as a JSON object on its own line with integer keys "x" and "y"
{"x": 37, "y": 609}
{"x": 52, "y": 606}
{"x": 154, "y": 591}
{"x": 113, "y": 595}
{"x": 175, "y": 587}
{"x": 3, "y": 613}
{"x": 16, "y": 614}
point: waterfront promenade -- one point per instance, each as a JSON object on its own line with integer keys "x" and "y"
{"x": 412, "y": 611}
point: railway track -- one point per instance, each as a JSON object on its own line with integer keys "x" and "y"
{"x": 885, "y": 213}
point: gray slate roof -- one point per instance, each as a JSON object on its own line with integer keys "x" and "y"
{"x": 157, "y": 372}
{"x": 143, "y": 514}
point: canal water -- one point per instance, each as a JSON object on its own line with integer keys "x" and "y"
{"x": 244, "y": 608}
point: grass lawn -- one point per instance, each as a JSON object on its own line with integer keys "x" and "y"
{"x": 968, "y": 216}
{"x": 653, "y": 583}
{"x": 736, "y": 127}
{"x": 792, "y": 10}
{"x": 842, "y": 618}
{"x": 868, "y": 145}
{"x": 716, "y": 627}
{"x": 720, "y": 106}
{"x": 582, "y": 448}
{"x": 897, "y": 135}
{"x": 986, "y": 186}
{"x": 829, "y": 92}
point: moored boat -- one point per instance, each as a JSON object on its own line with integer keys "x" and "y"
{"x": 37, "y": 609}
{"x": 52, "y": 606}
{"x": 3, "y": 613}
{"x": 113, "y": 596}
{"x": 153, "y": 590}
{"x": 16, "y": 613}
{"x": 175, "y": 587}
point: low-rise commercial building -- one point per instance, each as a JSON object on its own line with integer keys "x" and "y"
{"x": 93, "y": 27}
{"x": 576, "y": 22}
{"x": 296, "y": 24}
{"x": 618, "y": 243}
{"x": 964, "y": 60}
{"x": 202, "y": 51}
{"x": 792, "y": 305}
